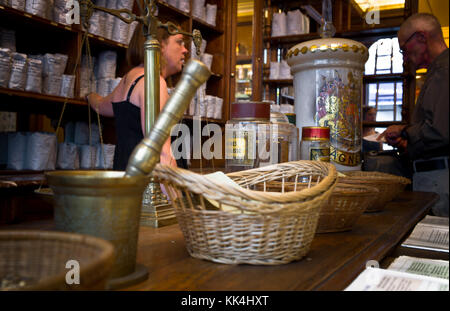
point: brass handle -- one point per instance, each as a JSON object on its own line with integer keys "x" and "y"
{"x": 232, "y": 74}
{"x": 146, "y": 154}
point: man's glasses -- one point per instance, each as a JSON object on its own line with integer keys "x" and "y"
{"x": 402, "y": 48}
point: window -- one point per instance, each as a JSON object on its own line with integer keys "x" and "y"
{"x": 387, "y": 97}
{"x": 383, "y": 82}
{"x": 384, "y": 58}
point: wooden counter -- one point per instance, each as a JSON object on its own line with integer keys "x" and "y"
{"x": 334, "y": 260}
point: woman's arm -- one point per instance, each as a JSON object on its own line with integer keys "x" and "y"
{"x": 101, "y": 104}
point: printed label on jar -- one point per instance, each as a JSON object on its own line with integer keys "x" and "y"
{"x": 319, "y": 154}
{"x": 240, "y": 145}
{"x": 345, "y": 158}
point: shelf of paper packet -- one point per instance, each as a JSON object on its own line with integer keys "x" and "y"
{"x": 40, "y": 151}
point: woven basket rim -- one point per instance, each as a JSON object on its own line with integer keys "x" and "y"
{"x": 56, "y": 281}
{"x": 174, "y": 174}
{"x": 343, "y": 188}
{"x": 347, "y": 188}
{"x": 370, "y": 177}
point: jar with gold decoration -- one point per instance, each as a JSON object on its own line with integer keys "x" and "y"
{"x": 328, "y": 75}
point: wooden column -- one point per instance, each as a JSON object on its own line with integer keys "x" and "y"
{"x": 349, "y": 15}
{"x": 257, "y": 49}
{"x": 337, "y": 13}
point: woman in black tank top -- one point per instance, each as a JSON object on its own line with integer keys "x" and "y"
{"x": 125, "y": 102}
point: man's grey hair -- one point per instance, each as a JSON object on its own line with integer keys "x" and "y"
{"x": 422, "y": 22}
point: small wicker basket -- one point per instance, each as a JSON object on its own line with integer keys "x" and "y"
{"x": 344, "y": 207}
{"x": 246, "y": 225}
{"x": 388, "y": 185}
{"x": 36, "y": 260}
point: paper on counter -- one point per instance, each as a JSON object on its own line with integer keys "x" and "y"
{"x": 430, "y": 234}
{"x": 422, "y": 266}
{"x": 375, "y": 279}
{"x": 374, "y": 138}
{"x": 435, "y": 221}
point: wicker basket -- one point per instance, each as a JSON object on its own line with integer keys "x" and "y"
{"x": 344, "y": 207}
{"x": 36, "y": 260}
{"x": 246, "y": 225}
{"x": 389, "y": 186}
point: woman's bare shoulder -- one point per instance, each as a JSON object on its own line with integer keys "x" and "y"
{"x": 162, "y": 82}
{"x": 133, "y": 74}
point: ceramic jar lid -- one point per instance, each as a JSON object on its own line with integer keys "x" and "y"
{"x": 325, "y": 52}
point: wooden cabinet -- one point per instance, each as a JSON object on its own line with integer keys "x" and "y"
{"x": 350, "y": 22}
{"x": 37, "y": 35}
{"x": 218, "y": 44}
{"x": 276, "y": 44}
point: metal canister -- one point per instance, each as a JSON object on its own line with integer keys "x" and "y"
{"x": 315, "y": 144}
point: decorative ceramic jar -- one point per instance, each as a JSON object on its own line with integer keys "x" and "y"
{"x": 328, "y": 84}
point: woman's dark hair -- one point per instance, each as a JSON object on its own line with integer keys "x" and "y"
{"x": 135, "y": 51}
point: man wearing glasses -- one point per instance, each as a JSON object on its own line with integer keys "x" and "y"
{"x": 426, "y": 139}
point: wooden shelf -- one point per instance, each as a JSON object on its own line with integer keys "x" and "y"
{"x": 355, "y": 34}
{"x": 279, "y": 82}
{"x": 363, "y": 33}
{"x": 243, "y": 59}
{"x": 292, "y": 39}
{"x": 167, "y": 9}
{"x": 205, "y": 28}
{"x": 16, "y": 15}
{"x": 18, "y": 18}
{"x": 386, "y": 77}
{"x": 105, "y": 42}
{"x": 216, "y": 75}
{"x": 40, "y": 97}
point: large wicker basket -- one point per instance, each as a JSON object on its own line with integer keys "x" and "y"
{"x": 388, "y": 185}
{"x": 36, "y": 260}
{"x": 246, "y": 225}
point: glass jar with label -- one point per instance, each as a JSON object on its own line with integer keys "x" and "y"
{"x": 247, "y": 135}
{"x": 315, "y": 143}
{"x": 281, "y": 133}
